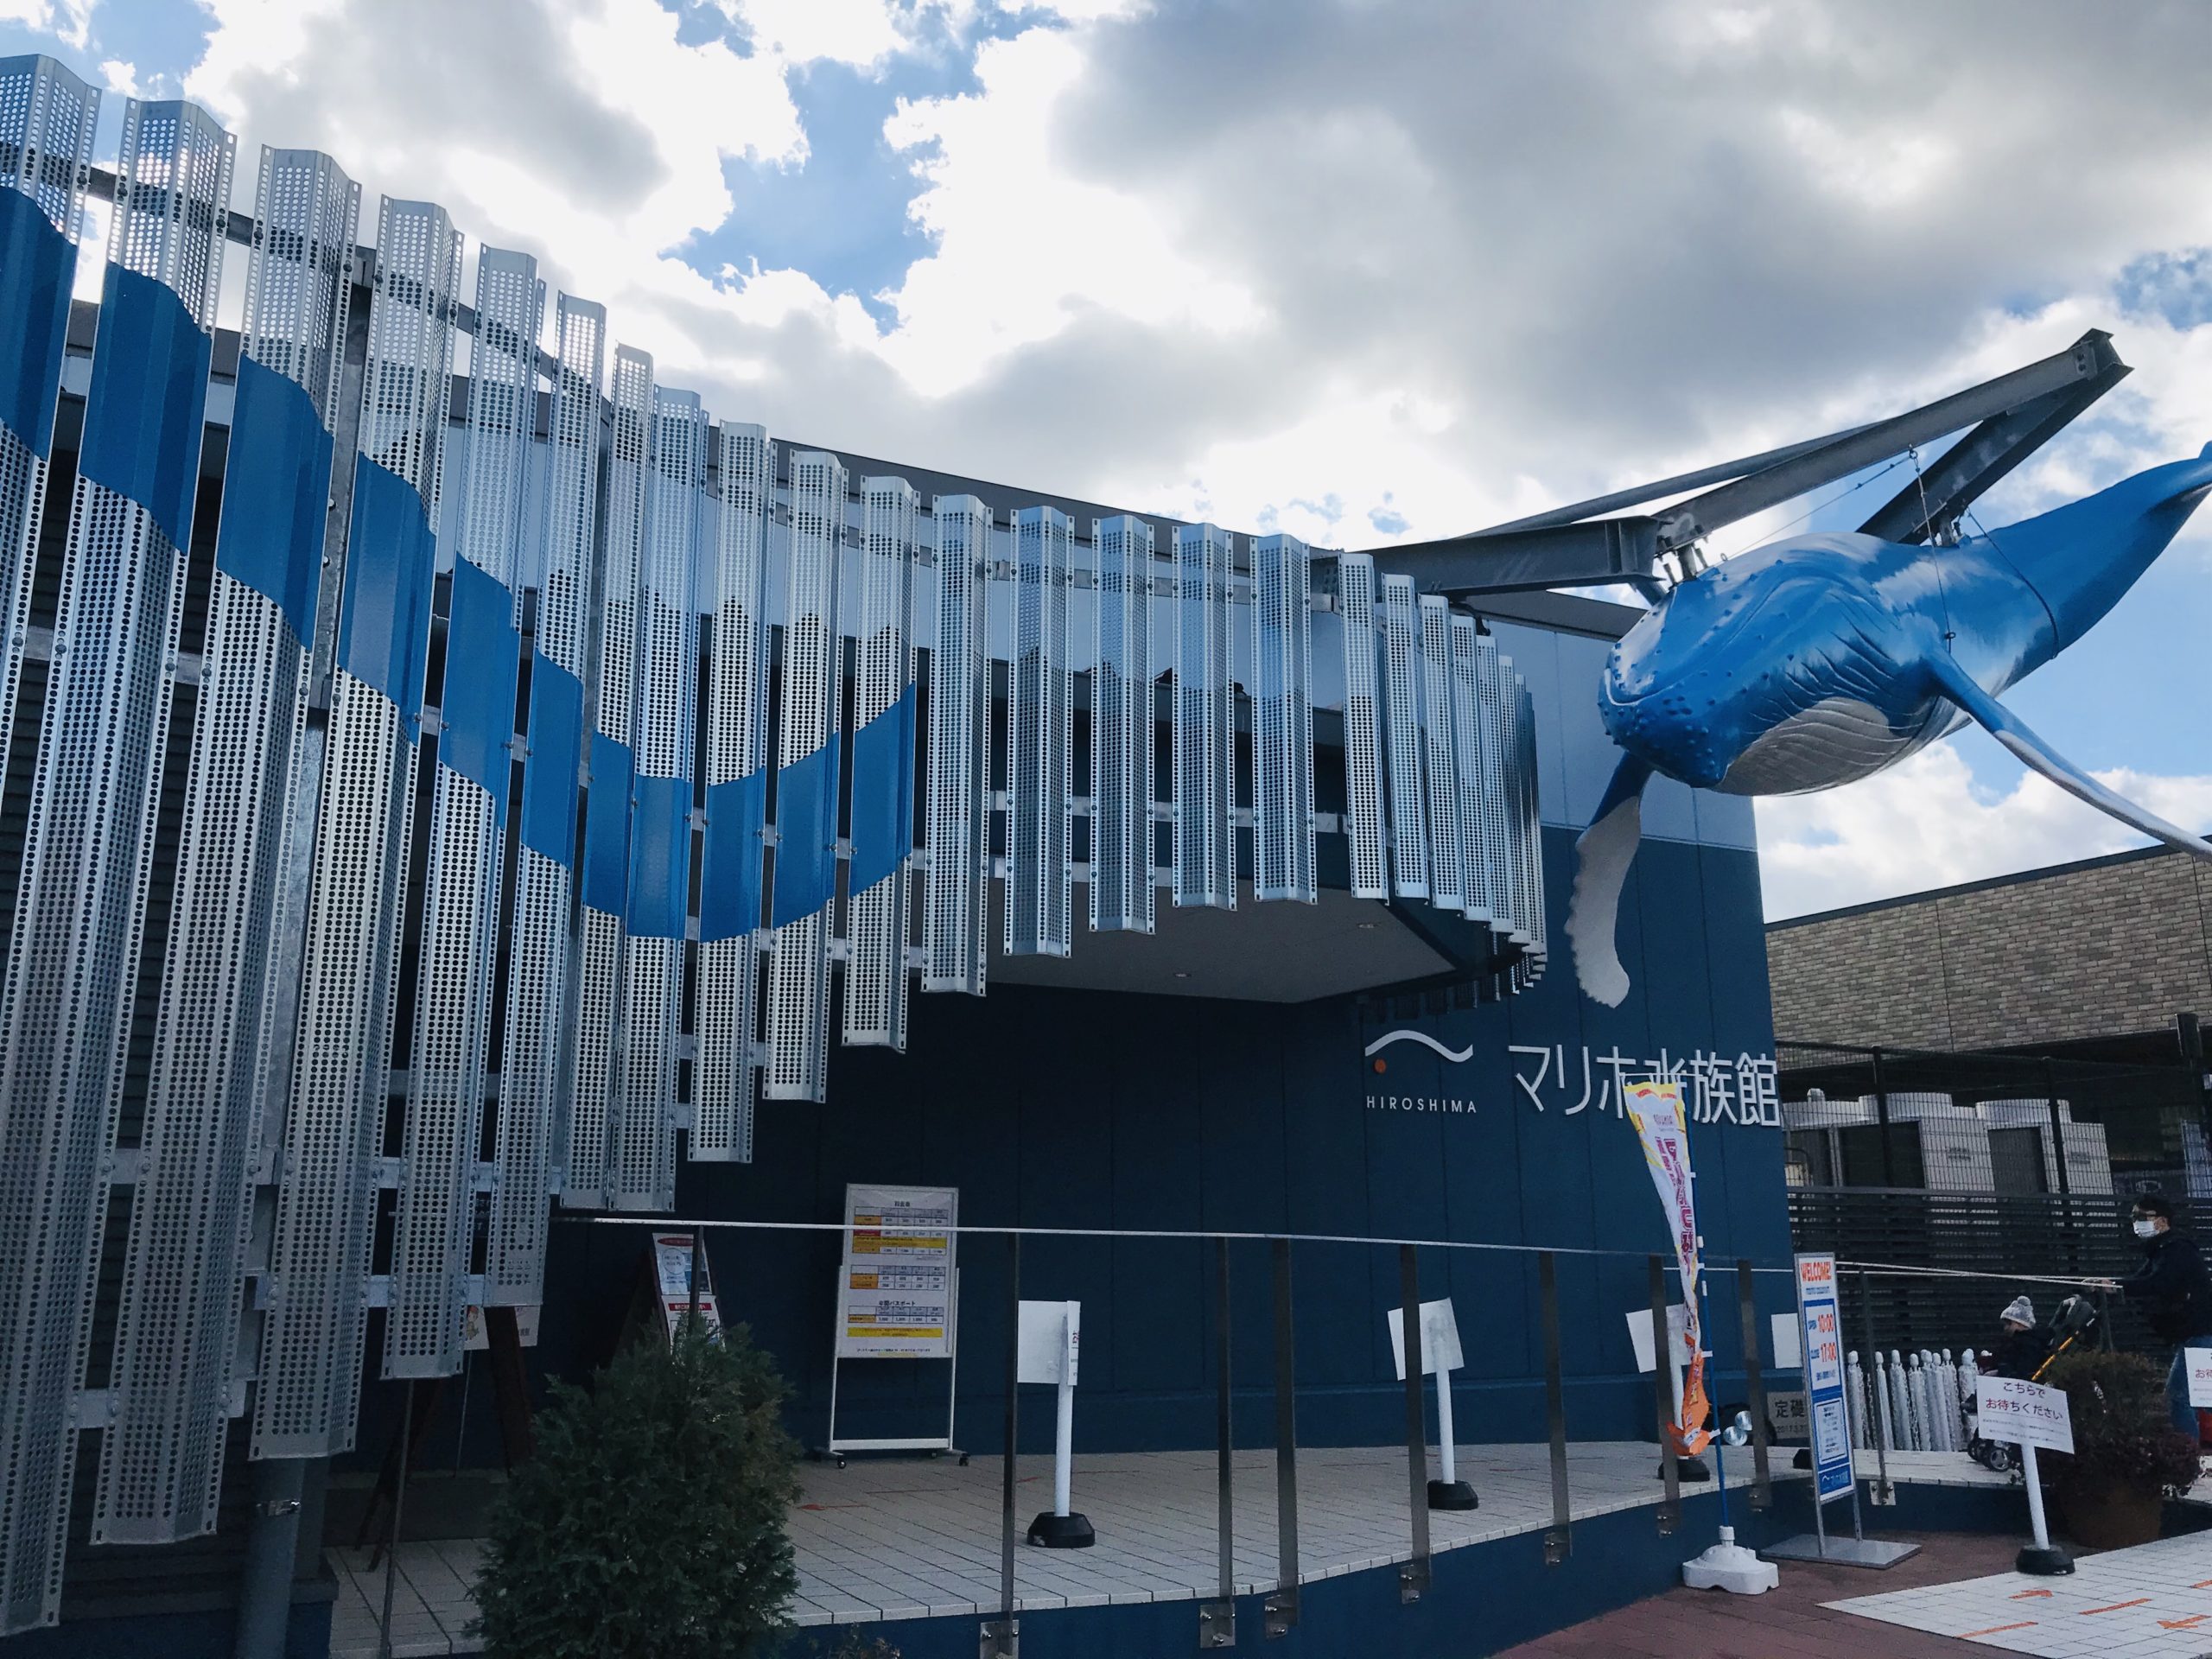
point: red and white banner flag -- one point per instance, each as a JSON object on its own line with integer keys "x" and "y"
{"x": 1656, "y": 1109}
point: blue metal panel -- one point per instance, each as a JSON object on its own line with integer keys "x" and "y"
{"x": 149, "y": 397}
{"x": 384, "y": 626}
{"x": 606, "y": 824}
{"x": 549, "y": 785}
{"x": 37, "y": 265}
{"x": 660, "y": 858}
{"x": 275, "y": 494}
{"x": 730, "y": 884}
{"x": 883, "y": 793}
{"x": 482, "y": 649}
{"x": 806, "y": 835}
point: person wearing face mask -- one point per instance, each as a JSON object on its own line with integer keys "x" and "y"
{"x": 2175, "y": 1294}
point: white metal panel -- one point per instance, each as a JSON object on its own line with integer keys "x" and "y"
{"x": 1447, "y": 888}
{"x": 1282, "y": 721}
{"x": 313, "y": 1334}
{"x": 876, "y": 926}
{"x": 799, "y": 982}
{"x": 612, "y": 688}
{"x": 64, "y": 1002}
{"x": 959, "y": 891}
{"x": 1204, "y": 720}
{"x": 1467, "y": 770}
{"x": 1401, "y": 672}
{"x": 178, "y": 1304}
{"x": 1039, "y": 707}
{"x": 1363, "y": 830}
{"x": 452, "y": 1025}
{"x": 1122, "y": 898}
{"x": 1532, "y": 836}
{"x": 538, "y": 1052}
{"x": 723, "y": 1077}
{"x": 641, "y": 1136}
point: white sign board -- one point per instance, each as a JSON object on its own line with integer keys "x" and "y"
{"x": 2200, "y": 1378}
{"x": 1439, "y": 1340}
{"x": 2017, "y": 1413}
{"x": 1049, "y": 1342}
{"x": 1678, "y": 1342}
{"x": 1792, "y": 1419}
{"x": 1789, "y": 1349}
{"x": 896, "y": 1295}
{"x": 475, "y": 1336}
{"x": 672, "y": 1267}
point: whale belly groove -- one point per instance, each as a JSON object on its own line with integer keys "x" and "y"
{"x": 1837, "y": 740}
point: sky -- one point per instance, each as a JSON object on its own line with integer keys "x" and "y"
{"x": 1363, "y": 270}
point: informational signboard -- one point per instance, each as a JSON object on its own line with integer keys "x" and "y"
{"x": 672, "y": 1269}
{"x": 1791, "y": 1414}
{"x": 1439, "y": 1340}
{"x": 1820, "y": 1323}
{"x": 475, "y": 1336}
{"x": 2200, "y": 1378}
{"x": 2018, "y": 1412}
{"x": 896, "y": 1300}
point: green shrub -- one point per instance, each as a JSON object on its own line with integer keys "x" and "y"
{"x": 2122, "y": 1434}
{"x": 650, "y": 1524}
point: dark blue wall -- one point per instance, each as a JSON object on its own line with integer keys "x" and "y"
{"x": 1058, "y": 1108}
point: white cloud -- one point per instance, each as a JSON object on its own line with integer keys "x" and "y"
{"x": 68, "y": 21}
{"x": 1926, "y": 823}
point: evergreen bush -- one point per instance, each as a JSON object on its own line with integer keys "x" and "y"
{"x": 650, "y": 1525}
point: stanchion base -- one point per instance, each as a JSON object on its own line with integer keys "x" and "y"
{"x": 1728, "y": 1566}
{"x": 2043, "y": 1562}
{"x": 1452, "y": 1494}
{"x": 1688, "y": 1471}
{"x": 1050, "y": 1531}
{"x": 1877, "y": 1553}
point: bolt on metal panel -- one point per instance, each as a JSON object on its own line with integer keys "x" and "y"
{"x": 178, "y": 1304}
{"x": 798, "y": 983}
{"x": 80, "y": 908}
{"x": 320, "y": 1257}
{"x": 1282, "y": 721}
{"x": 1204, "y": 720}
{"x": 1040, "y": 711}
{"x": 958, "y": 890}
{"x": 876, "y": 991}
{"x": 1122, "y": 898}
{"x": 1363, "y": 830}
{"x": 1402, "y": 676}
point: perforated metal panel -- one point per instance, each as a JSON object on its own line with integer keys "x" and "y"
{"x": 614, "y": 682}
{"x": 1532, "y": 839}
{"x": 799, "y": 975}
{"x": 46, "y": 118}
{"x": 1447, "y": 888}
{"x": 875, "y": 924}
{"x": 723, "y": 1076}
{"x": 538, "y": 1052}
{"x": 1038, "y": 711}
{"x": 1467, "y": 770}
{"x": 1401, "y": 678}
{"x": 313, "y": 1334}
{"x": 446, "y": 1064}
{"x": 641, "y": 1133}
{"x": 80, "y": 907}
{"x": 1496, "y": 821}
{"x": 1282, "y": 721}
{"x": 1363, "y": 832}
{"x": 1120, "y": 729}
{"x": 958, "y": 889}
{"x": 178, "y": 1307}
{"x": 1204, "y": 720}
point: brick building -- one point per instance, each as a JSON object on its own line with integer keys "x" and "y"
{"x": 2105, "y": 964}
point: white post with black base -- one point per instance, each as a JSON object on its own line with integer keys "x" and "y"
{"x": 1440, "y": 1356}
{"x": 2028, "y": 1416}
{"x": 1048, "y": 1345}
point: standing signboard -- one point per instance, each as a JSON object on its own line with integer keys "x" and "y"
{"x": 898, "y": 1291}
{"x": 1821, "y": 1324}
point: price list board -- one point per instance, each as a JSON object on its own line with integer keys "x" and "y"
{"x": 897, "y": 1283}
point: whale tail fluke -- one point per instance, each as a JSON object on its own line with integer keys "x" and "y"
{"x": 1603, "y": 855}
{"x": 2030, "y": 750}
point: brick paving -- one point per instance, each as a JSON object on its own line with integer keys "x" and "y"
{"x": 1789, "y": 1622}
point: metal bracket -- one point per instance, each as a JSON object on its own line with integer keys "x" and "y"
{"x": 1281, "y": 1609}
{"x": 1413, "y": 1580}
{"x": 1217, "y": 1624}
{"x": 1002, "y": 1639}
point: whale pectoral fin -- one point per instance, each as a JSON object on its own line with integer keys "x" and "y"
{"x": 1603, "y": 854}
{"x": 2007, "y": 729}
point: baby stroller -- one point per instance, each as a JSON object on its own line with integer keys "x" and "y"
{"x": 2072, "y": 1324}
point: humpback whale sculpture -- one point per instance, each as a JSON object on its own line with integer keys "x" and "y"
{"x": 1821, "y": 659}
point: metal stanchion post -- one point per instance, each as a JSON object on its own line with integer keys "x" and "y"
{"x": 1001, "y": 1637}
{"x": 1754, "y": 1385}
{"x": 1559, "y": 1541}
{"x": 1662, "y": 1378}
{"x": 1282, "y": 1606}
{"x": 1413, "y": 1577}
{"x": 398, "y": 1500}
{"x": 1217, "y": 1617}
{"x": 1883, "y": 1493}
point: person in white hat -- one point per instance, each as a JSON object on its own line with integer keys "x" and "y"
{"x": 2020, "y": 1346}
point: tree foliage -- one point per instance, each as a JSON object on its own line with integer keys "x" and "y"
{"x": 650, "y": 1524}
{"x": 2122, "y": 1433}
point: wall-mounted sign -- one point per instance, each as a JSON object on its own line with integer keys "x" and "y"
{"x": 896, "y": 1300}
